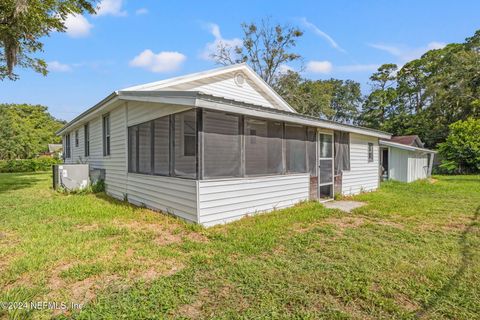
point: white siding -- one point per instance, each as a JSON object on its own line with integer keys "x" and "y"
{"x": 417, "y": 166}
{"x": 398, "y": 164}
{"x": 221, "y": 201}
{"x": 224, "y": 86}
{"x": 363, "y": 175}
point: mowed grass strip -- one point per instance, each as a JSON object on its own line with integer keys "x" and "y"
{"x": 412, "y": 252}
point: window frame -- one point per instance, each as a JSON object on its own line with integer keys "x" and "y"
{"x": 106, "y": 134}
{"x": 76, "y": 139}
{"x": 370, "y": 152}
{"x": 68, "y": 149}
{"x": 86, "y": 138}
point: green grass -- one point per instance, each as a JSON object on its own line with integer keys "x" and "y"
{"x": 412, "y": 252}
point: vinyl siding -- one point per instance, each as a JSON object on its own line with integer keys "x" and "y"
{"x": 225, "y": 200}
{"x": 172, "y": 195}
{"x": 225, "y": 86}
{"x": 398, "y": 164}
{"x": 363, "y": 175}
{"x": 417, "y": 166}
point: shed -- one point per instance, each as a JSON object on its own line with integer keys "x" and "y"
{"x": 214, "y": 146}
{"x": 403, "y": 158}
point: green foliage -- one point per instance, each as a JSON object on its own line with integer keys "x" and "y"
{"x": 461, "y": 150}
{"x": 427, "y": 94}
{"x": 26, "y": 130}
{"x": 331, "y": 99}
{"x": 28, "y": 165}
{"x": 265, "y": 47}
{"x": 24, "y": 23}
{"x": 98, "y": 186}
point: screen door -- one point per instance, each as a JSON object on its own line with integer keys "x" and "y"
{"x": 325, "y": 181}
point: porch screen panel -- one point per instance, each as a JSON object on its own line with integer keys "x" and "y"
{"x": 185, "y": 144}
{"x": 145, "y": 147}
{"x": 342, "y": 151}
{"x": 312, "y": 151}
{"x": 221, "y": 145}
{"x": 161, "y": 151}
{"x": 132, "y": 149}
{"x": 295, "y": 137}
{"x": 263, "y": 147}
{"x": 326, "y": 170}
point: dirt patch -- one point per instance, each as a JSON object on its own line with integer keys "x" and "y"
{"x": 87, "y": 227}
{"x": 403, "y": 301}
{"x": 432, "y": 180}
{"x": 194, "y": 310}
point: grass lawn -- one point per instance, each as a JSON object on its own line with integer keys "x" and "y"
{"x": 412, "y": 252}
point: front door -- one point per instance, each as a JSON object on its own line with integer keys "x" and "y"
{"x": 325, "y": 181}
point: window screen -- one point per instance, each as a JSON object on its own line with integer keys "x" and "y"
{"x": 161, "y": 154}
{"x": 67, "y": 146}
{"x": 185, "y": 144}
{"x": 312, "y": 151}
{"x": 295, "y": 148}
{"x": 263, "y": 147}
{"x": 86, "y": 134}
{"x": 106, "y": 134}
{"x": 221, "y": 145}
{"x": 370, "y": 152}
{"x": 326, "y": 146}
{"x": 76, "y": 138}
{"x": 342, "y": 151}
{"x": 132, "y": 149}
{"x": 145, "y": 147}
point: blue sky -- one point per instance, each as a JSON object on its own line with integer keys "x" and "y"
{"x": 133, "y": 42}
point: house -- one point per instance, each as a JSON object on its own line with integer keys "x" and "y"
{"x": 214, "y": 146}
{"x": 405, "y": 159}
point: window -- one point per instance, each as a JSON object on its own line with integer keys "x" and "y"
{"x": 221, "y": 145}
{"x": 263, "y": 147}
{"x": 86, "y": 133}
{"x": 295, "y": 148}
{"x": 106, "y": 135}
{"x": 312, "y": 151}
{"x": 185, "y": 128}
{"x": 161, "y": 146}
{"x": 145, "y": 147}
{"x": 67, "y": 146}
{"x": 370, "y": 152}
{"x": 342, "y": 151}
{"x": 132, "y": 149}
{"x": 76, "y": 138}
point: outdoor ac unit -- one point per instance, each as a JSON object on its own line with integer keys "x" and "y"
{"x": 71, "y": 176}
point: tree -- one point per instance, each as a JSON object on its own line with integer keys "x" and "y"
{"x": 381, "y": 101}
{"x": 23, "y": 23}
{"x": 25, "y": 130}
{"x": 461, "y": 150}
{"x": 265, "y": 47}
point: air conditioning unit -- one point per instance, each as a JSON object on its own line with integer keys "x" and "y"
{"x": 71, "y": 176}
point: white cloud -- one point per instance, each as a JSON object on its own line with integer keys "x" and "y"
{"x": 322, "y": 34}
{"x": 283, "y": 68}
{"x": 211, "y": 47}
{"x": 77, "y": 26}
{"x": 319, "y": 66}
{"x": 141, "y": 11}
{"x": 404, "y": 53}
{"x": 165, "y": 61}
{"x": 56, "y": 66}
{"x": 111, "y": 7}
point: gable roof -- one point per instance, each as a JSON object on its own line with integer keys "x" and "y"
{"x": 412, "y": 140}
{"x": 211, "y": 82}
{"x": 402, "y": 146}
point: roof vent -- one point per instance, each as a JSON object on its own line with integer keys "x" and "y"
{"x": 239, "y": 79}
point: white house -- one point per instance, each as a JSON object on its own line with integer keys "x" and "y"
{"x": 215, "y": 146}
{"x": 405, "y": 159}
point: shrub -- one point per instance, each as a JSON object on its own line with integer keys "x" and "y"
{"x": 28, "y": 165}
{"x": 98, "y": 186}
{"x": 461, "y": 150}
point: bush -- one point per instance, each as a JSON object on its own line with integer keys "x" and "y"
{"x": 28, "y": 165}
{"x": 461, "y": 150}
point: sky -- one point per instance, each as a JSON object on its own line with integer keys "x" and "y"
{"x": 133, "y": 42}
